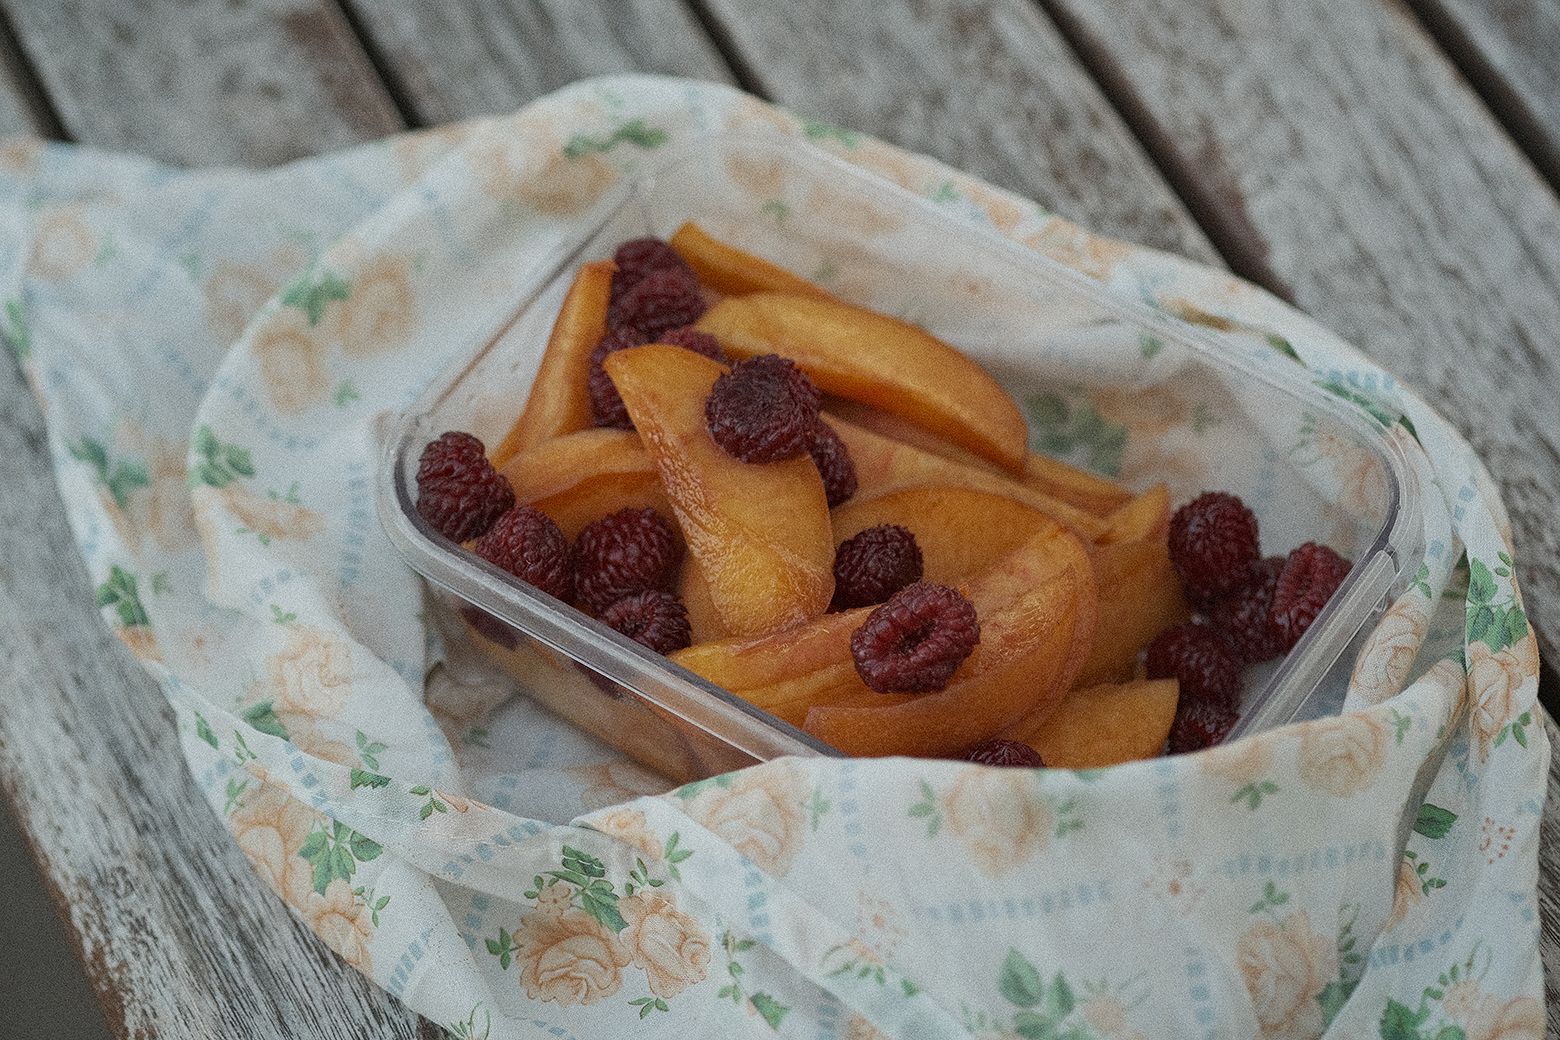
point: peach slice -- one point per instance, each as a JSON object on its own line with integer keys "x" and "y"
{"x": 1145, "y": 518}
{"x": 732, "y": 271}
{"x": 742, "y": 663}
{"x": 1103, "y": 725}
{"x": 1088, "y": 491}
{"x": 889, "y": 364}
{"x": 1140, "y": 596}
{"x": 581, "y": 477}
{"x": 761, "y": 534}
{"x": 1037, "y": 608}
{"x": 704, "y": 621}
{"x": 884, "y": 465}
{"x": 960, "y": 532}
{"x": 559, "y": 402}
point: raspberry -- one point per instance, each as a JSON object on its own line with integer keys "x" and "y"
{"x": 662, "y": 300}
{"x": 1242, "y": 618}
{"x": 999, "y": 752}
{"x": 629, "y": 551}
{"x": 458, "y": 490}
{"x": 654, "y": 618}
{"x": 1213, "y": 540}
{"x": 526, "y": 543}
{"x": 915, "y": 641}
{"x": 1192, "y": 655}
{"x": 606, "y": 405}
{"x": 638, "y": 257}
{"x": 1200, "y": 724}
{"x": 873, "y": 565}
{"x": 834, "y": 464}
{"x": 1309, "y": 578}
{"x": 763, "y": 410}
{"x": 690, "y": 338}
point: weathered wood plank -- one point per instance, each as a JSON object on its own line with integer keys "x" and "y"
{"x": 1510, "y": 50}
{"x": 178, "y": 936}
{"x": 463, "y": 58}
{"x": 208, "y": 81}
{"x": 988, "y": 87}
{"x": 1338, "y": 146}
{"x": 1549, "y": 885}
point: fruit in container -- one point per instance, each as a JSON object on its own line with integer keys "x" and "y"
{"x": 761, "y": 533}
{"x": 869, "y": 357}
{"x": 1103, "y": 725}
{"x": 558, "y": 402}
{"x": 732, "y": 271}
{"x": 580, "y": 477}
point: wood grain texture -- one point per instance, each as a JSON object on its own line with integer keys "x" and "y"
{"x": 197, "y": 82}
{"x": 1337, "y": 147}
{"x": 1510, "y": 50}
{"x": 461, "y": 58}
{"x": 988, "y": 87}
{"x": 1549, "y": 884}
{"x": 178, "y": 936}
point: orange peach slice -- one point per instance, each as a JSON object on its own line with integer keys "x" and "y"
{"x": 704, "y": 621}
{"x": 1037, "y": 609}
{"x": 884, "y": 465}
{"x": 745, "y": 663}
{"x": 732, "y": 271}
{"x": 1145, "y": 518}
{"x": 889, "y": 364}
{"x": 581, "y": 477}
{"x": 1140, "y": 596}
{"x": 761, "y": 534}
{"x": 1087, "y": 491}
{"x": 959, "y": 531}
{"x": 1103, "y": 725}
{"x": 559, "y": 402}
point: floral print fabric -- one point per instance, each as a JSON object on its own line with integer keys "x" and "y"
{"x": 217, "y": 354}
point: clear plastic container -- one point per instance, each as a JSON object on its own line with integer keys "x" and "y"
{"x": 1106, "y": 382}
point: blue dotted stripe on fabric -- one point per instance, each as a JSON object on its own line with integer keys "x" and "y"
{"x": 258, "y": 415}
{"x": 757, "y": 906}
{"x": 1330, "y": 858}
{"x": 1083, "y": 894}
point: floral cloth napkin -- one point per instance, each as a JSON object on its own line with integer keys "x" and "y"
{"x": 217, "y": 353}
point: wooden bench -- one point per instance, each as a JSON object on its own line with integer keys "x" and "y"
{"x": 1389, "y": 168}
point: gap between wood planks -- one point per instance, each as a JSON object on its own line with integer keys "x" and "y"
{"x": 24, "y": 76}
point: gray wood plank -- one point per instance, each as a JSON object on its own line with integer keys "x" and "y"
{"x": 1510, "y": 49}
{"x": 1337, "y": 142}
{"x": 205, "y": 81}
{"x": 178, "y": 936}
{"x": 986, "y": 86}
{"x": 462, "y": 58}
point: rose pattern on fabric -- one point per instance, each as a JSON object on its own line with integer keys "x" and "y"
{"x": 1406, "y": 891}
{"x": 342, "y": 921}
{"x": 760, "y": 814}
{"x": 568, "y": 957}
{"x": 270, "y": 827}
{"x": 1495, "y": 682}
{"x": 379, "y": 313}
{"x": 1384, "y": 663}
{"x": 668, "y": 945}
{"x": 62, "y": 245}
{"x": 291, "y": 360}
{"x": 1286, "y": 965}
{"x": 999, "y": 816}
{"x": 1342, "y": 756}
{"x": 629, "y": 827}
{"x": 311, "y": 675}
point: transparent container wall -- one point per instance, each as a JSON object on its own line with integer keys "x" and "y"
{"x": 1109, "y": 385}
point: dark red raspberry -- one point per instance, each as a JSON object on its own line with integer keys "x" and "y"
{"x": 1199, "y": 660}
{"x": 1213, "y": 541}
{"x": 1309, "y": 578}
{"x": 526, "y": 543}
{"x": 1200, "y": 724}
{"x": 662, "y": 300}
{"x": 606, "y": 404}
{"x": 916, "y": 641}
{"x": 873, "y": 565}
{"x": 629, "y": 551}
{"x": 763, "y": 410}
{"x": 690, "y": 338}
{"x": 458, "y": 490}
{"x": 1242, "y": 619}
{"x": 999, "y": 752}
{"x": 638, "y": 257}
{"x": 834, "y": 464}
{"x": 654, "y": 618}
